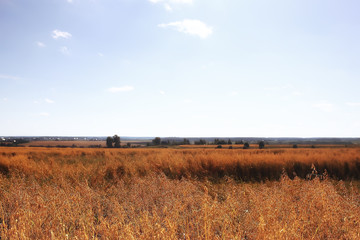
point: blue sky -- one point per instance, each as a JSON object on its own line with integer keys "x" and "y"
{"x": 180, "y": 68}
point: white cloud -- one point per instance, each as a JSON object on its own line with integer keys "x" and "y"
{"x": 49, "y": 100}
{"x": 162, "y": 92}
{"x": 297, "y": 93}
{"x": 59, "y": 34}
{"x": 172, "y": 1}
{"x": 324, "y": 106}
{"x": 5, "y": 99}
{"x": 277, "y": 88}
{"x": 64, "y": 50}
{"x": 234, "y": 93}
{"x": 44, "y": 114}
{"x": 182, "y": 1}
{"x": 121, "y": 89}
{"x": 207, "y": 66}
{"x": 190, "y": 26}
{"x": 40, "y": 44}
{"x": 169, "y": 4}
{"x": 69, "y": 1}
{"x": 354, "y": 104}
{"x": 100, "y": 54}
{"x": 9, "y": 77}
{"x": 168, "y": 7}
{"x": 188, "y": 101}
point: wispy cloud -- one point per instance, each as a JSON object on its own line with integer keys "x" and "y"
{"x": 44, "y": 114}
{"x": 64, "y": 50}
{"x": 234, "y": 93}
{"x": 297, "y": 93}
{"x": 162, "y": 92}
{"x": 60, "y": 34}
{"x": 69, "y": 1}
{"x": 353, "y": 104}
{"x": 172, "y": 1}
{"x": 324, "y": 106}
{"x": 190, "y": 26}
{"x": 40, "y": 44}
{"x": 9, "y": 77}
{"x": 207, "y": 66}
{"x": 120, "y": 89}
{"x": 170, "y": 4}
{"x": 100, "y": 54}
{"x": 168, "y": 7}
{"x": 49, "y": 100}
{"x": 277, "y": 88}
{"x": 5, "y": 99}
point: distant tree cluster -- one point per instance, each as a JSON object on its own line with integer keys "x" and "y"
{"x": 13, "y": 142}
{"x": 158, "y": 141}
{"x": 113, "y": 142}
{"x": 200, "y": 142}
{"x": 218, "y": 141}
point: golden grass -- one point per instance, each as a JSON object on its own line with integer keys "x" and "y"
{"x": 268, "y": 146}
{"x": 64, "y": 143}
{"x": 175, "y": 194}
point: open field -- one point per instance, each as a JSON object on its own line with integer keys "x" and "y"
{"x": 64, "y": 143}
{"x": 77, "y": 144}
{"x": 268, "y": 146}
{"x": 102, "y": 144}
{"x": 179, "y": 193}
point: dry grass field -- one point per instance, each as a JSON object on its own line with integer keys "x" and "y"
{"x": 179, "y": 193}
{"x": 64, "y": 143}
{"x": 268, "y": 146}
{"x": 77, "y": 144}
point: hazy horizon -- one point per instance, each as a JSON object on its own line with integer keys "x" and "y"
{"x": 186, "y": 68}
{"x": 180, "y": 137}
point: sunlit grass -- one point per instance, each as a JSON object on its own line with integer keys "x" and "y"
{"x": 177, "y": 194}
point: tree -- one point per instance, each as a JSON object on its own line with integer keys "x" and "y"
{"x": 200, "y": 142}
{"x": 229, "y": 142}
{"x": 218, "y": 141}
{"x": 156, "y": 141}
{"x": 109, "y": 142}
{"x": 261, "y": 144}
{"x": 246, "y": 145}
{"x": 116, "y": 140}
{"x": 295, "y": 146}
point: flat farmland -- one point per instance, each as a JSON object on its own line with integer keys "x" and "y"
{"x": 85, "y": 144}
{"x": 268, "y": 146}
{"x": 64, "y": 143}
{"x": 69, "y": 193}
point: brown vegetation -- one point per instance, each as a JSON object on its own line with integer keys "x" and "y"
{"x": 64, "y": 144}
{"x": 178, "y": 194}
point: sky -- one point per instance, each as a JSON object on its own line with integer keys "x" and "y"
{"x": 180, "y": 68}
